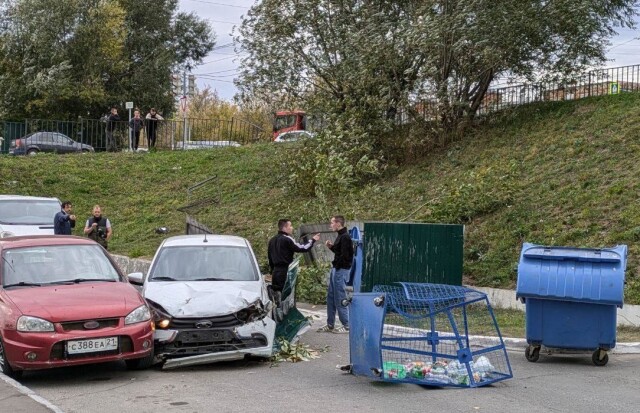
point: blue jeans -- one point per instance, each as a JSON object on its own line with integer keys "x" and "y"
{"x": 335, "y": 294}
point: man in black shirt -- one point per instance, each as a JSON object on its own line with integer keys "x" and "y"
{"x": 280, "y": 252}
{"x": 342, "y": 249}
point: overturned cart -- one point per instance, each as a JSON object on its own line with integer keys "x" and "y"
{"x": 429, "y": 334}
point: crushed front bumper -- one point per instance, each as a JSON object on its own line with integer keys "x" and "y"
{"x": 187, "y": 347}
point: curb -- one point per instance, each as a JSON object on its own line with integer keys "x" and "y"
{"x": 32, "y": 395}
{"x": 510, "y": 343}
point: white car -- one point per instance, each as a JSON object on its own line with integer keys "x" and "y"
{"x": 293, "y": 136}
{"x": 209, "y": 300}
{"x": 27, "y": 215}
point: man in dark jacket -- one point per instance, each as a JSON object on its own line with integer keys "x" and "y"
{"x": 280, "y": 252}
{"x": 64, "y": 221}
{"x": 98, "y": 227}
{"x": 342, "y": 249}
{"x": 112, "y": 123}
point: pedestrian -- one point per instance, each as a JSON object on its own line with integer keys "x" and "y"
{"x": 112, "y": 123}
{"x": 63, "y": 221}
{"x": 342, "y": 249}
{"x": 98, "y": 228}
{"x": 152, "y": 119}
{"x": 136, "y": 124}
{"x": 280, "y": 252}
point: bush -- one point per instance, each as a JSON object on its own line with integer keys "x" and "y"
{"x": 312, "y": 284}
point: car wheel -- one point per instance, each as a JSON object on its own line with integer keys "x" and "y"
{"x": 84, "y": 151}
{"x": 142, "y": 363}
{"x": 4, "y": 365}
{"x": 32, "y": 152}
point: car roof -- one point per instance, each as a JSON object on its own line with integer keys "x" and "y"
{"x": 26, "y": 198}
{"x": 212, "y": 240}
{"x": 42, "y": 240}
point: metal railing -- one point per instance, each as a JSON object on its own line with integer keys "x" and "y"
{"x": 594, "y": 83}
{"x": 101, "y": 135}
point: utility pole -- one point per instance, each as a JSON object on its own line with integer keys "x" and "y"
{"x": 184, "y": 107}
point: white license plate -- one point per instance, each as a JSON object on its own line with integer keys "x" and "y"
{"x": 92, "y": 345}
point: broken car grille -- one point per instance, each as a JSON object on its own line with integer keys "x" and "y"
{"x": 192, "y": 342}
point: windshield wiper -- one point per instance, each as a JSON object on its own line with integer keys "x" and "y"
{"x": 212, "y": 279}
{"x": 163, "y": 278}
{"x": 23, "y": 284}
{"x": 82, "y": 280}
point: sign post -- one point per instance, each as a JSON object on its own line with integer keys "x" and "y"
{"x": 129, "y": 105}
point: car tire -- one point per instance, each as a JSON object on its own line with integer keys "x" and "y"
{"x": 85, "y": 151}
{"x": 141, "y": 363}
{"x": 5, "y": 367}
{"x": 32, "y": 152}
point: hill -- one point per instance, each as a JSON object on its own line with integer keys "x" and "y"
{"x": 564, "y": 173}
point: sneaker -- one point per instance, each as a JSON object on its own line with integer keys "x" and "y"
{"x": 325, "y": 329}
{"x": 341, "y": 330}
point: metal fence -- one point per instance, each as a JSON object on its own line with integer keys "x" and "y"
{"x": 169, "y": 134}
{"x": 599, "y": 82}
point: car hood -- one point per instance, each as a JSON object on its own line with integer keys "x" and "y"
{"x": 76, "y": 302}
{"x": 203, "y": 298}
{"x": 44, "y": 229}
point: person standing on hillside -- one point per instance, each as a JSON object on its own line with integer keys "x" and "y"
{"x": 98, "y": 228}
{"x": 63, "y": 221}
{"x": 136, "y": 124}
{"x": 112, "y": 122}
{"x": 280, "y": 252}
{"x": 342, "y": 249}
{"x": 152, "y": 119}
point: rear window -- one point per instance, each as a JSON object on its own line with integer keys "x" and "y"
{"x": 28, "y": 212}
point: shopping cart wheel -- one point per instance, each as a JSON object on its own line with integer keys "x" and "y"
{"x": 600, "y": 357}
{"x": 532, "y": 353}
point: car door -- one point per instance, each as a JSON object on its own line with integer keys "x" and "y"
{"x": 64, "y": 144}
{"x": 43, "y": 141}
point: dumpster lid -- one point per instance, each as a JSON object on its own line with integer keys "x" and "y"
{"x": 572, "y": 274}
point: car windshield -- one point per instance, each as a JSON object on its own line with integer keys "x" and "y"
{"x": 204, "y": 263}
{"x": 56, "y": 264}
{"x": 28, "y": 212}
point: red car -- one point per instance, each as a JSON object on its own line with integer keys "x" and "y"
{"x": 64, "y": 302}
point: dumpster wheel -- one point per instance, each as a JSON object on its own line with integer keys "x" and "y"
{"x": 600, "y": 357}
{"x": 532, "y": 353}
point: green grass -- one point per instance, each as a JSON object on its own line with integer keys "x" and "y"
{"x": 564, "y": 173}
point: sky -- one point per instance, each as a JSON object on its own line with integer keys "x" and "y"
{"x": 220, "y": 67}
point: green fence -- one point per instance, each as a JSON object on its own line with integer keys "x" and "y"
{"x": 427, "y": 253}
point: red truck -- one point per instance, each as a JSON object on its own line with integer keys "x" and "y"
{"x": 285, "y": 121}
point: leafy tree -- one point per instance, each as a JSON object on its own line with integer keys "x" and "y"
{"x": 358, "y": 62}
{"x": 67, "y": 58}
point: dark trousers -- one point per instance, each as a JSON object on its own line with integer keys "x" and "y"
{"x": 136, "y": 138}
{"x": 279, "y": 278}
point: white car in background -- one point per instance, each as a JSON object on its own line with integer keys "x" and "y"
{"x": 209, "y": 301}
{"x": 293, "y": 136}
{"x": 27, "y": 215}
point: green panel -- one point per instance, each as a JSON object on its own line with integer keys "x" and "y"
{"x": 426, "y": 253}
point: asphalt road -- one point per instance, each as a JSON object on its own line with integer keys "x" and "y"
{"x": 553, "y": 384}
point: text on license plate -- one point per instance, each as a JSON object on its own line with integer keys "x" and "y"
{"x": 92, "y": 345}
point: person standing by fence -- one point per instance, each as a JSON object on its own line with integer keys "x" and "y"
{"x": 136, "y": 124}
{"x": 152, "y": 119}
{"x": 112, "y": 123}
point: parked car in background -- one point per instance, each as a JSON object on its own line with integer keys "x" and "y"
{"x": 209, "y": 300}
{"x": 294, "y": 136}
{"x": 63, "y": 302}
{"x": 27, "y": 215}
{"x": 56, "y": 142}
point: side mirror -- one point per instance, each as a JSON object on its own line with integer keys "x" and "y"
{"x": 136, "y": 278}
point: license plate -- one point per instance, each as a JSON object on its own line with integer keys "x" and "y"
{"x": 92, "y": 345}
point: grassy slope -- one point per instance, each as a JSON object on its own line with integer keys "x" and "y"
{"x": 558, "y": 174}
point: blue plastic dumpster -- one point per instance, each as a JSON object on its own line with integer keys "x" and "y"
{"x": 571, "y": 297}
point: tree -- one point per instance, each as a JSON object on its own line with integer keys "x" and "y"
{"x": 62, "y": 59}
{"x": 372, "y": 57}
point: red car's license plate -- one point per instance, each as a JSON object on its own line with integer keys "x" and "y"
{"x": 92, "y": 345}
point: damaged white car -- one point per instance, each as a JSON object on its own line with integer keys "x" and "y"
{"x": 209, "y": 301}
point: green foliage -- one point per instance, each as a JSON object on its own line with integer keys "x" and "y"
{"x": 312, "y": 284}
{"x": 69, "y": 58}
{"x": 564, "y": 173}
